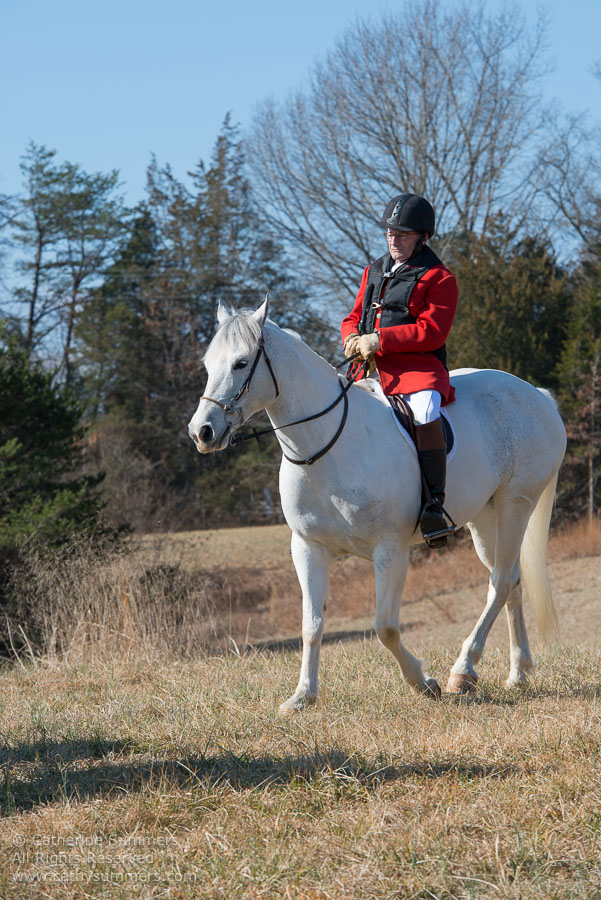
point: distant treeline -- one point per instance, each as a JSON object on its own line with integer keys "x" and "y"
{"x": 107, "y": 310}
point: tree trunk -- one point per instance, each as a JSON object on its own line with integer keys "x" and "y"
{"x": 37, "y": 266}
{"x": 69, "y": 335}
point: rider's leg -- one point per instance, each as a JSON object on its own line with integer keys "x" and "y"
{"x": 432, "y": 455}
{"x": 425, "y": 406}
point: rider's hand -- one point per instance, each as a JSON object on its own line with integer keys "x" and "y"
{"x": 368, "y": 344}
{"x": 350, "y": 345}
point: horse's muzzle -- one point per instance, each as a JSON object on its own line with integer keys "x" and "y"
{"x": 205, "y": 439}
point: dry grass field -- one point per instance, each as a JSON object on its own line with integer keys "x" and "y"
{"x": 136, "y": 767}
{"x": 259, "y": 599}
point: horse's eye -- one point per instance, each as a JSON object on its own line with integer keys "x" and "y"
{"x": 241, "y": 364}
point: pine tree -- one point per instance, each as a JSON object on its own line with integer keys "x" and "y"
{"x": 513, "y": 305}
{"x": 124, "y": 341}
{"x": 43, "y": 501}
{"x": 66, "y": 228}
{"x": 143, "y": 334}
{"x": 579, "y": 374}
{"x": 116, "y": 348}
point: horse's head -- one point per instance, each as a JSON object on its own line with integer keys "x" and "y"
{"x": 241, "y": 380}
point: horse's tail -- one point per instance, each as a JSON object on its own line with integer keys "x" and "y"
{"x": 533, "y": 558}
{"x": 533, "y": 562}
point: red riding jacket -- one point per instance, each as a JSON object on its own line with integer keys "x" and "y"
{"x": 404, "y": 362}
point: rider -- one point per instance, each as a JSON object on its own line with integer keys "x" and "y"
{"x": 402, "y": 317}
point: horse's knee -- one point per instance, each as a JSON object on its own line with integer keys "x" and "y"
{"x": 312, "y": 632}
{"x": 388, "y": 635}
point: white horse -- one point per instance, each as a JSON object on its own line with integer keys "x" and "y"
{"x": 362, "y": 495}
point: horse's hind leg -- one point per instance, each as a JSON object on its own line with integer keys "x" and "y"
{"x": 519, "y": 648}
{"x": 484, "y": 536}
{"x": 497, "y": 532}
{"x": 391, "y": 565}
{"x": 312, "y": 563}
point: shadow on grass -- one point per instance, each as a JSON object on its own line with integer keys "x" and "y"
{"x": 492, "y": 696}
{"x": 58, "y": 775}
{"x": 329, "y": 637}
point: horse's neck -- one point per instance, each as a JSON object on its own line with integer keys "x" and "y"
{"x": 308, "y": 384}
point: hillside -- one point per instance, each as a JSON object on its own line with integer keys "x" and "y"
{"x": 443, "y": 598}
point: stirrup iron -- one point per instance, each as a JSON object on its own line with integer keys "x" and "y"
{"x": 438, "y": 538}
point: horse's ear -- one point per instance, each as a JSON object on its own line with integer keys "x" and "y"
{"x": 261, "y": 314}
{"x": 223, "y": 313}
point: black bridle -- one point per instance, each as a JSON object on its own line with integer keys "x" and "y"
{"x": 344, "y": 389}
{"x": 228, "y": 408}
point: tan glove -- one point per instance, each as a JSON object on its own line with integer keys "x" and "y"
{"x": 368, "y": 344}
{"x": 350, "y": 345}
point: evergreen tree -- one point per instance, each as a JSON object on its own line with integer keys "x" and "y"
{"x": 143, "y": 333}
{"x": 579, "y": 374}
{"x": 129, "y": 344}
{"x": 117, "y": 350}
{"x": 66, "y": 228}
{"x": 43, "y": 502}
{"x": 514, "y": 302}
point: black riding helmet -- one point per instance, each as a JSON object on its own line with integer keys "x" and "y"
{"x": 408, "y": 212}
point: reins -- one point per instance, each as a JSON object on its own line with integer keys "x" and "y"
{"x": 344, "y": 389}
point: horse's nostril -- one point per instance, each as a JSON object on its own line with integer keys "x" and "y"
{"x": 205, "y": 434}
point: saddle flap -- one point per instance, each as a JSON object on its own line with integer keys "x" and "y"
{"x": 404, "y": 417}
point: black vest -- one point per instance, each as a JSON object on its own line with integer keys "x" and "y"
{"x": 394, "y": 305}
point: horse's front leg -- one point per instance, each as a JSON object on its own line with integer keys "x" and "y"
{"x": 391, "y": 564}
{"x": 312, "y": 563}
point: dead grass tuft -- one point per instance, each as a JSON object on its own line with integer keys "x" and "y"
{"x": 79, "y": 606}
{"x": 577, "y": 540}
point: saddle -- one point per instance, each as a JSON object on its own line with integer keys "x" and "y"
{"x": 404, "y": 416}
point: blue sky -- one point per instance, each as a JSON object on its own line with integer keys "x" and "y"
{"x": 109, "y": 83}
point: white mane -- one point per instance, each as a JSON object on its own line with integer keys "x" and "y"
{"x": 293, "y": 334}
{"x": 240, "y": 331}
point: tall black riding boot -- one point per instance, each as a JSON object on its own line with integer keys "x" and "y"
{"x": 434, "y": 522}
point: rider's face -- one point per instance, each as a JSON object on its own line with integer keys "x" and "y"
{"x": 401, "y": 244}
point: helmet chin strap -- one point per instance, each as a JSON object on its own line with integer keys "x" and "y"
{"x": 420, "y": 244}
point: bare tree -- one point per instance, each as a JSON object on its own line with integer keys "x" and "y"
{"x": 437, "y": 101}
{"x": 571, "y": 163}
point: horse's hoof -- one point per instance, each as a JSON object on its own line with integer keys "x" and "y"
{"x": 461, "y": 683}
{"x": 520, "y": 679}
{"x": 296, "y": 704}
{"x": 431, "y": 689}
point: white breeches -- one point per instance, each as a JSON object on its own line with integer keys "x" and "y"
{"x": 425, "y": 406}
